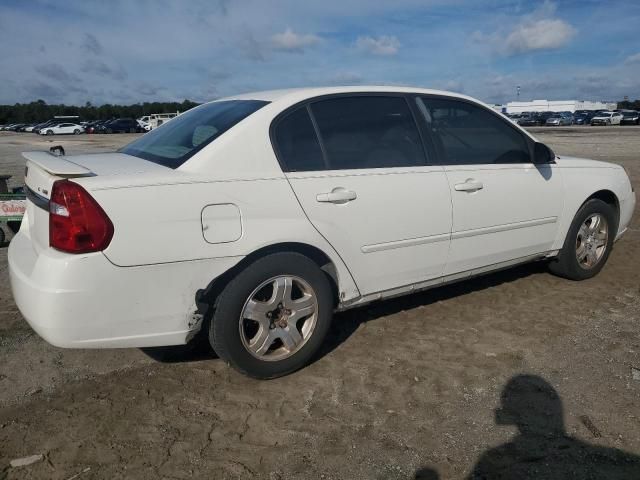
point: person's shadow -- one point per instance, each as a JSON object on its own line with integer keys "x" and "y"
{"x": 542, "y": 449}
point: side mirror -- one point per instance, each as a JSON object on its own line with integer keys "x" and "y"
{"x": 543, "y": 154}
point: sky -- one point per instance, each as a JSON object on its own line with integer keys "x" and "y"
{"x": 124, "y": 51}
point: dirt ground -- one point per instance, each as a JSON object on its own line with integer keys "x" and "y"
{"x": 404, "y": 389}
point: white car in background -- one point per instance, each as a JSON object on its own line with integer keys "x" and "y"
{"x": 607, "y": 118}
{"x": 249, "y": 220}
{"x": 62, "y": 129}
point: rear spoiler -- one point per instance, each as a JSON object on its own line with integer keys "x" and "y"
{"x": 57, "y": 164}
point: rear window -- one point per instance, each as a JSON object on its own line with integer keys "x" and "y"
{"x": 175, "y": 142}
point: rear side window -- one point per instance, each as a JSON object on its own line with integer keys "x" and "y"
{"x": 368, "y": 132}
{"x": 297, "y": 143}
{"x": 470, "y": 135}
{"x": 181, "y": 138}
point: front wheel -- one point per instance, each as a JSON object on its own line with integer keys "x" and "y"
{"x": 273, "y": 316}
{"x": 49, "y": 132}
{"x": 76, "y": 132}
{"x": 588, "y": 242}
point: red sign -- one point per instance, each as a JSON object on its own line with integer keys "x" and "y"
{"x": 12, "y": 208}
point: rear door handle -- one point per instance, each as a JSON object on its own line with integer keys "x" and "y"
{"x": 337, "y": 195}
{"x": 470, "y": 185}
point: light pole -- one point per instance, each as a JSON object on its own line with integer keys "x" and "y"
{"x": 518, "y": 92}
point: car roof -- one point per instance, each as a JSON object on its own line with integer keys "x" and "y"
{"x": 294, "y": 95}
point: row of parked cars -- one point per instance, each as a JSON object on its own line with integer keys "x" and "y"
{"x": 62, "y": 127}
{"x": 580, "y": 117}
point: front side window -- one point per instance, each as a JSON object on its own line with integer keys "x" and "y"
{"x": 469, "y": 135}
{"x": 183, "y": 137}
{"x": 368, "y": 132}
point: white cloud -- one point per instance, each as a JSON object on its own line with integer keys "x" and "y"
{"x": 635, "y": 58}
{"x": 383, "y": 45}
{"x": 537, "y": 30}
{"x": 289, "y": 41}
{"x": 543, "y": 34}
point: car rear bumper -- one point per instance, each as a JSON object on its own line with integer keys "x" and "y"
{"x": 84, "y": 301}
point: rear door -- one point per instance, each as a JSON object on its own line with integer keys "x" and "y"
{"x": 358, "y": 168}
{"x": 505, "y": 207}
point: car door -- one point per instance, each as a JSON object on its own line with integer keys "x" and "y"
{"x": 505, "y": 207}
{"x": 359, "y": 170}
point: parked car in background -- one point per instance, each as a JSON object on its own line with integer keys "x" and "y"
{"x": 93, "y": 126}
{"x": 630, "y": 117}
{"x": 120, "y": 125}
{"x": 48, "y": 123}
{"x": 583, "y": 118}
{"x": 543, "y": 116}
{"x": 62, "y": 129}
{"x": 154, "y": 120}
{"x": 558, "y": 120}
{"x": 248, "y": 221}
{"x": 607, "y": 118}
{"x": 528, "y": 121}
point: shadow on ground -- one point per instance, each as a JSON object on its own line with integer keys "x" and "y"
{"x": 542, "y": 449}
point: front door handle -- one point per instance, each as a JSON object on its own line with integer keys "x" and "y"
{"x": 469, "y": 185}
{"x": 337, "y": 195}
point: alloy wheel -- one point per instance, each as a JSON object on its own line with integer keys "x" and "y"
{"x": 278, "y": 318}
{"x": 591, "y": 241}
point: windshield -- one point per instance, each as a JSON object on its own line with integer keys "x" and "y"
{"x": 176, "y": 141}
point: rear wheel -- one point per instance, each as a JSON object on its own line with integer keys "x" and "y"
{"x": 588, "y": 243}
{"x": 49, "y": 132}
{"x": 2, "y": 237}
{"x": 132, "y": 130}
{"x": 109, "y": 130}
{"x": 76, "y": 132}
{"x": 273, "y": 316}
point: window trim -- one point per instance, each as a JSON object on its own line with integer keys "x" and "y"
{"x": 306, "y": 103}
{"x": 440, "y": 156}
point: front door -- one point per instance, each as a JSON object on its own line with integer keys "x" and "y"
{"x": 505, "y": 207}
{"x": 359, "y": 170}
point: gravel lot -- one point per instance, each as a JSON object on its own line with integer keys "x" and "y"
{"x": 404, "y": 389}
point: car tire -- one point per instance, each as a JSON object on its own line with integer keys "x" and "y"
{"x": 76, "y": 132}
{"x": 132, "y": 130}
{"x": 109, "y": 130}
{"x": 267, "y": 290}
{"x": 3, "y": 237}
{"x": 587, "y": 245}
{"x": 49, "y": 132}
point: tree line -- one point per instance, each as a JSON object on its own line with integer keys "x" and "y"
{"x": 629, "y": 105}
{"x": 40, "y": 111}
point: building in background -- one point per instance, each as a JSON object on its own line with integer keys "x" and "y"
{"x": 558, "y": 106}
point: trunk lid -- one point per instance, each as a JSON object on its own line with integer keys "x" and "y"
{"x": 45, "y": 168}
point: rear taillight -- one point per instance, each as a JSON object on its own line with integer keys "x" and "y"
{"x": 77, "y": 224}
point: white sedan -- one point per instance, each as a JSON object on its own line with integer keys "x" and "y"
{"x": 607, "y": 118}
{"x": 62, "y": 129}
{"x": 249, "y": 220}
